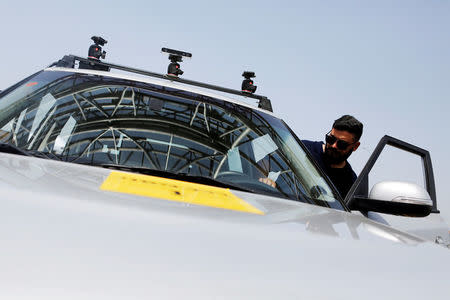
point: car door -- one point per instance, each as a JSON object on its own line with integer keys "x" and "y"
{"x": 431, "y": 227}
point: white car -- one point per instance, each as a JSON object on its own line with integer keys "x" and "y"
{"x": 137, "y": 185}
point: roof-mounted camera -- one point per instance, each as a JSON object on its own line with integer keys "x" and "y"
{"x": 175, "y": 56}
{"x": 98, "y": 40}
{"x": 247, "y": 83}
{"x": 94, "y": 54}
{"x": 95, "y": 50}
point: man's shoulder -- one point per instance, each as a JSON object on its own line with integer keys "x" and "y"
{"x": 313, "y": 146}
{"x": 316, "y": 150}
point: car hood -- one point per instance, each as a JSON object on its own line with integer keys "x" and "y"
{"x": 67, "y": 236}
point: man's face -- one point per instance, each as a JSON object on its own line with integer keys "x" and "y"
{"x": 334, "y": 153}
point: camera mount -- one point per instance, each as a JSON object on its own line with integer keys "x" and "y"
{"x": 95, "y": 50}
{"x": 175, "y": 56}
{"x": 94, "y": 54}
{"x": 247, "y": 83}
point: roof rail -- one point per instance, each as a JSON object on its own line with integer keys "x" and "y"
{"x": 68, "y": 61}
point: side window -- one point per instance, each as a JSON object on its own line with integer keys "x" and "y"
{"x": 394, "y": 164}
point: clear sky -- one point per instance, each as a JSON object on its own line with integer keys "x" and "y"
{"x": 385, "y": 62}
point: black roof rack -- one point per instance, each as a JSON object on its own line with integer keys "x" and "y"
{"x": 68, "y": 61}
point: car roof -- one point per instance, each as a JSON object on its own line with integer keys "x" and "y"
{"x": 165, "y": 83}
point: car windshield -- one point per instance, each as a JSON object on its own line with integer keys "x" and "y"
{"x": 107, "y": 120}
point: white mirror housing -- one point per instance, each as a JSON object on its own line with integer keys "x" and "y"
{"x": 400, "y": 192}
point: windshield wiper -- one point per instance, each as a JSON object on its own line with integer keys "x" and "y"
{"x": 171, "y": 175}
{"x": 8, "y": 148}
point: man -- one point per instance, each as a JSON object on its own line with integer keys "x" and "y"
{"x": 332, "y": 156}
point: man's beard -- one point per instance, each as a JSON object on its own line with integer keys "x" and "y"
{"x": 333, "y": 156}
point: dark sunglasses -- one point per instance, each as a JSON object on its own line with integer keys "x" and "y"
{"x": 340, "y": 144}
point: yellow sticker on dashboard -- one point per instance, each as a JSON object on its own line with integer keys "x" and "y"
{"x": 176, "y": 190}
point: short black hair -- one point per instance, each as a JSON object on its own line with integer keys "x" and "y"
{"x": 350, "y": 124}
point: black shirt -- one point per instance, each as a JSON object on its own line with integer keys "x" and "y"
{"x": 342, "y": 178}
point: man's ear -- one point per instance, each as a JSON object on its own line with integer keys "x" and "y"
{"x": 356, "y": 145}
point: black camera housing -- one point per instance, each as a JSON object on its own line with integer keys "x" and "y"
{"x": 176, "y": 52}
{"x": 248, "y": 74}
{"x": 98, "y": 40}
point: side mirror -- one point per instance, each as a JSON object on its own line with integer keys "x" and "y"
{"x": 395, "y": 198}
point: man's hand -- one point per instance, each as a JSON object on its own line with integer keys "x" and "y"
{"x": 268, "y": 181}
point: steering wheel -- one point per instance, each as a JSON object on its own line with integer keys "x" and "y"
{"x": 229, "y": 173}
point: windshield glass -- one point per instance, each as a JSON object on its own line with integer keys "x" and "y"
{"x": 102, "y": 120}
